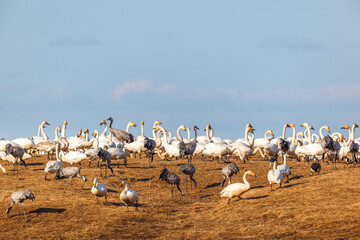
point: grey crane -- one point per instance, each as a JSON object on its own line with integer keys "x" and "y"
{"x": 121, "y": 135}
{"x": 150, "y": 145}
{"x": 17, "y": 152}
{"x": 332, "y": 146}
{"x": 106, "y": 157}
{"x": 69, "y": 172}
{"x": 20, "y": 197}
{"x": 315, "y": 168}
{"x": 172, "y": 179}
{"x": 188, "y": 169}
{"x": 191, "y": 146}
{"x": 227, "y": 171}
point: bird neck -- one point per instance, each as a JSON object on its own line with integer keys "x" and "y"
{"x": 178, "y": 133}
{"x": 244, "y": 178}
{"x": 43, "y": 132}
{"x": 63, "y": 130}
{"x": 266, "y": 137}
{"x": 284, "y": 130}
{"x": 105, "y": 130}
{"x": 293, "y": 140}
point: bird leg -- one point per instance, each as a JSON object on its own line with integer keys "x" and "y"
{"x": 136, "y": 206}
{"x": 17, "y": 206}
{"x": 172, "y": 191}
{"x": 229, "y": 180}
{"x": 64, "y": 185}
{"x": 97, "y": 200}
{"x": 229, "y": 201}
{"x": 106, "y": 200}
{"x": 223, "y": 181}
{"x": 71, "y": 184}
{"x": 24, "y": 211}
{"x": 271, "y": 186}
{"x": 45, "y": 176}
{"x": 191, "y": 177}
{"x": 182, "y": 193}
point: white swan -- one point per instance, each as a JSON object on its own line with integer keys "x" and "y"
{"x": 170, "y": 149}
{"x": 243, "y": 149}
{"x": 53, "y": 166}
{"x": 99, "y": 190}
{"x": 3, "y": 170}
{"x": 275, "y": 176}
{"x": 117, "y": 154}
{"x": 73, "y": 157}
{"x": 41, "y": 131}
{"x": 270, "y": 149}
{"x": 129, "y": 196}
{"x": 237, "y": 189}
{"x": 321, "y": 135}
{"x": 285, "y": 169}
{"x": 49, "y": 146}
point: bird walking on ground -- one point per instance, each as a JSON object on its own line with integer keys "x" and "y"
{"x": 237, "y": 189}
{"x": 69, "y": 173}
{"x": 20, "y": 197}
{"x": 172, "y": 179}
{"x": 129, "y": 196}
{"x": 227, "y": 171}
{"x": 188, "y": 169}
{"x": 99, "y": 190}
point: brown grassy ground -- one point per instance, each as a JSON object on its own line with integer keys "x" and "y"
{"x": 325, "y": 206}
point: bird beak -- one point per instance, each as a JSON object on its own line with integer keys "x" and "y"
{"x": 6, "y": 172}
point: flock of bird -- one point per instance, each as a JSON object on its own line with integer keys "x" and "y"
{"x": 120, "y": 145}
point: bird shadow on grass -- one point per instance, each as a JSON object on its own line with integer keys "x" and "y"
{"x": 209, "y": 195}
{"x": 296, "y": 177}
{"x": 110, "y": 190}
{"x": 212, "y": 185}
{"x": 34, "y": 164}
{"x": 141, "y": 167}
{"x": 294, "y": 184}
{"x": 48, "y": 210}
{"x": 258, "y": 197}
{"x": 215, "y": 169}
{"x": 144, "y": 179}
{"x": 258, "y": 186}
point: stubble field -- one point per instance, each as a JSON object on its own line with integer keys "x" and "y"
{"x": 326, "y": 206}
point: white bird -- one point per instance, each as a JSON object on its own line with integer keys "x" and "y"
{"x": 41, "y": 131}
{"x": 129, "y": 196}
{"x": 73, "y": 157}
{"x": 99, "y": 190}
{"x": 275, "y": 176}
{"x": 285, "y": 169}
{"x": 53, "y": 166}
{"x": 117, "y": 154}
{"x": 237, "y": 189}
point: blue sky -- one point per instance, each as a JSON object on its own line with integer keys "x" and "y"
{"x": 190, "y": 62}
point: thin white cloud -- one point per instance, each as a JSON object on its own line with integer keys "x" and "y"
{"x": 131, "y": 86}
{"x": 294, "y": 44}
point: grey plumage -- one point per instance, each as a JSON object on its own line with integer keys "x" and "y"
{"x": 315, "y": 168}
{"x": 120, "y": 135}
{"x": 20, "y": 197}
{"x": 150, "y": 145}
{"x": 106, "y": 157}
{"x": 191, "y": 146}
{"x": 227, "y": 171}
{"x": 69, "y": 173}
{"x": 188, "y": 169}
{"x": 331, "y": 146}
{"x": 17, "y": 152}
{"x": 172, "y": 179}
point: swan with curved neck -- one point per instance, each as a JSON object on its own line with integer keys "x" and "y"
{"x": 142, "y": 136}
{"x": 171, "y": 150}
{"x": 103, "y": 134}
{"x": 314, "y": 135}
{"x": 53, "y": 166}
{"x": 41, "y": 131}
{"x": 307, "y": 131}
{"x": 237, "y": 189}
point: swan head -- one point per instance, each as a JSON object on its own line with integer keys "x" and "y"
{"x": 102, "y": 122}
{"x": 45, "y": 123}
{"x": 95, "y": 181}
{"x": 346, "y": 127}
{"x": 157, "y": 122}
{"x": 65, "y": 123}
{"x": 291, "y": 125}
{"x": 86, "y": 131}
{"x": 327, "y": 128}
{"x": 305, "y": 124}
{"x": 95, "y": 133}
{"x": 142, "y": 122}
{"x": 251, "y": 173}
{"x": 58, "y": 128}
{"x": 132, "y": 124}
{"x": 182, "y": 127}
{"x": 124, "y": 183}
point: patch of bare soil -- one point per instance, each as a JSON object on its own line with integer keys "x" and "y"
{"x": 324, "y": 206}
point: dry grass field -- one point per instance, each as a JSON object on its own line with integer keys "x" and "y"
{"x": 324, "y": 206}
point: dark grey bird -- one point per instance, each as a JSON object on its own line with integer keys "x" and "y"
{"x": 188, "y": 169}
{"x": 150, "y": 145}
{"x": 17, "y": 152}
{"x": 120, "y": 135}
{"x": 20, "y": 197}
{"x": 105, "y": 156}
{"x": 227, "y": 171}
{"x": 69, "y": 173}
{"x": 315, "y": 168}
{"x": 284, "y": 146}
{"x": 331, "y": 146}
{"x": 172, "y": 179}
{"x": 190, "y": 147}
